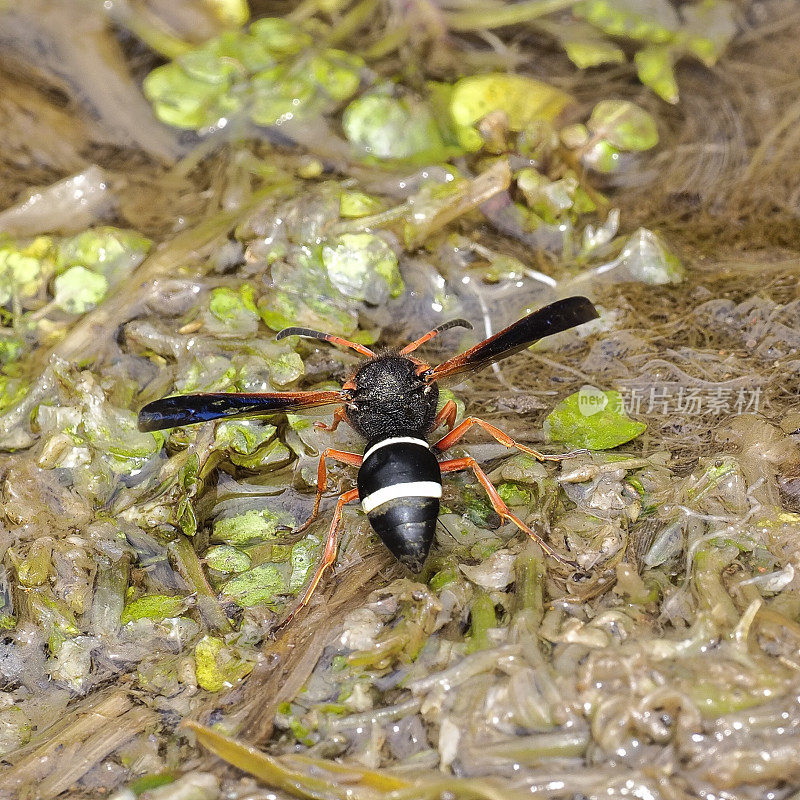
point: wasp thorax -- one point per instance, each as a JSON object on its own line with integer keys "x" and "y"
{"x": 391, "y": 398}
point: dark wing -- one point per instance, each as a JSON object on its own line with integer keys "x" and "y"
{"x": 187, "y": 409}
{"x": 559, "y": 316}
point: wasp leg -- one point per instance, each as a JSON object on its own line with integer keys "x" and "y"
{"x": 446, "y": 417}
{"x": 322, "y": 479}
{"x": 457, "y": 464}
{"x": 457, "y": 433}
{"x": 340, "y": 415}
{"x": 329, "y": 552}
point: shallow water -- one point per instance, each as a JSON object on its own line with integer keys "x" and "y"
{"x": 144, "y": 580}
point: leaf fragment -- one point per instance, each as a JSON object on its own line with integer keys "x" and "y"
{"x": 78, "y": 290}
{"x": 623, "y": 124}
{"x": 524, "y": 101}
{"x": 593, "y": 419}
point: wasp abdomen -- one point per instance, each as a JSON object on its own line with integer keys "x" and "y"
{"x": 400, "y": 484}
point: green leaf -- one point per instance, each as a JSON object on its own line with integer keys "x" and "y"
{"x": 354, "y": 204}
{"x": 704, "y": 29}
{"x": 259, "y": 68}
{"x": 20, "y": 274}
{"x": 78, "y": 290}
{"x": 514, "y": 495}
{"x": 224, "y": 558}
{"x": 317, "y": 85}
{"x": 307, "y": 298}
{"x": 278, "y": 94}
{"x": 336, "y": 73}
{"x": 151, "y": 781}
{"x": 185, "y": 102}
{"x": 524, "y": 100}
{"x": 12, "y": 390}
{"x": 154, "y": 606}
{"x": 585, "y": 53}
{"x": 51, "y": 613}
{"x": 229, "y": 12}
{"x": 271, "y": 456}
{"x": 591, "y": 418}
{"x": 623, "y": 124}
{"x": 482, "y": 618}
{"x": 584, "y": 45}
{"x": 551, "y": 200}
{"x": 442, "y": 578}
{"x": 648, "y": 20}
{"x": 204, "y": 64}
{"x": 285, "y": 369}
{"x": 10, "y": 348}
{"x": 217, "y": 666}
{"x": 280, "y": 36}
{"x": 233, "y": 312}
{"x": 390, "y": 128}
{"x": 364, "y": 267}
{"x": 282, "y": 309}
{"x": 243, "y": 436}
{"x": 709, "y": 27}
{"x": 231, "y": 55}
{"x": 41, "y": 247}
{"x": 114, "y": 435}
{"x": 602, "y": 157}
{"x": 654, "y": 66}
{"x": 253, "y": 526}
{"x": 212, "y": 373}
{"x": 256, "y": 586}
{"x": 523, "y": 469}
{"x": 106, "y": 250}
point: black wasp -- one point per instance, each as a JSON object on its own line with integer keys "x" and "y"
{"x": 391, "y": 402}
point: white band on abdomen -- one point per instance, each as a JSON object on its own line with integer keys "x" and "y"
{"x": 396, "y": 440}
{"x": 410, "y": 489}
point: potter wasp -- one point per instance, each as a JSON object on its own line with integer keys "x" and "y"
{"x": 391, "y": 403}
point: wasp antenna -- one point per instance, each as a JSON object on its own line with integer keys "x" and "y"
{"x": 301, "y": 332}
{"x": 325, "y": 337}
{"x": 445, "y": 326}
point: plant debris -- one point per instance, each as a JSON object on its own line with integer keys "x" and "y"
{"x": 184, "y": 182}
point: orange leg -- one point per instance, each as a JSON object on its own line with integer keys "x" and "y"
{"x": 329, "y": 552}
{"x": 457, "y": 464}
{"x": 340, "y": 415}
{"x": 457, "y": 433}
{"x": 322, "y": 479}
{"x": 447, "y": 416}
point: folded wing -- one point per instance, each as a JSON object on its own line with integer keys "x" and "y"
{"x": 555, "y": 318}
{"x": 188, "y": 409}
